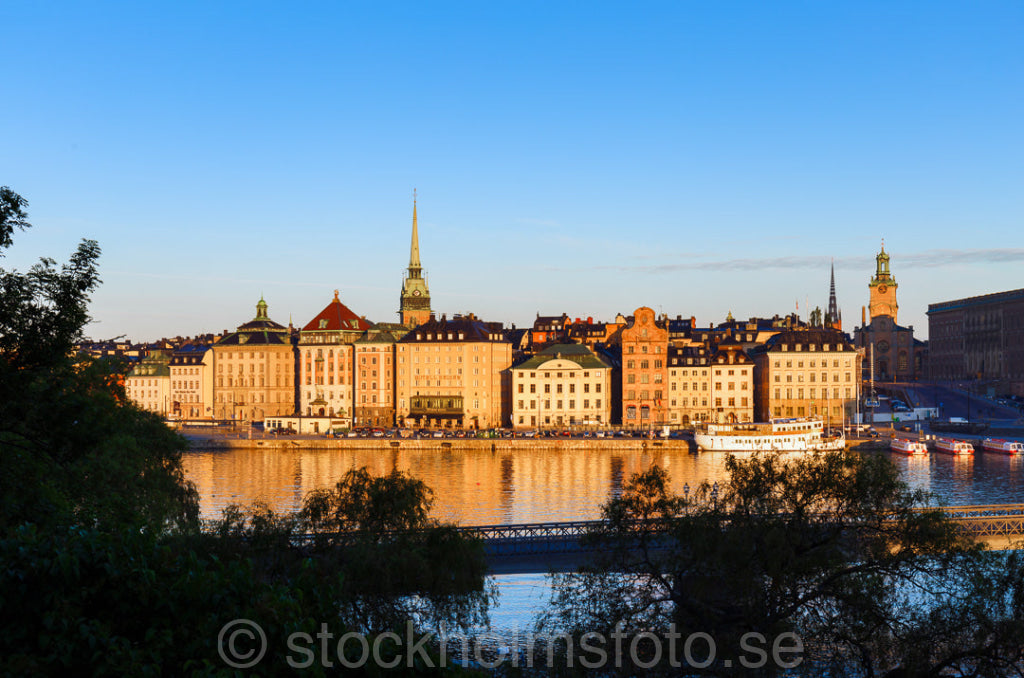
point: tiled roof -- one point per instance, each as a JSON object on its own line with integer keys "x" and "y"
{"x": 336, "y": 317}
{"x": 805, "y": 337}
{"x": 577, "y": 353}
{"x": 459, "y": 329}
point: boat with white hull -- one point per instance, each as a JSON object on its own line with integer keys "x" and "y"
{"x": 953, "y": 446}
{"x": 907, "y": 446}
{"x": 778, "y": 435}
{"x": 1001, "y": 446}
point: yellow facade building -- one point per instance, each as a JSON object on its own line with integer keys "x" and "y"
{"x": 254, "y": 370}
{"x": 191, "y": 373}
{"x": 148, "y": 385}
{"x": 453, "y": 374}
{"x": 565, "y": 385}
{"x": 813, "y": 372}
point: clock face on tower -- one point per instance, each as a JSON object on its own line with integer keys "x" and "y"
{"x": 416, "y": 293}
{"x": 882, "y": 288}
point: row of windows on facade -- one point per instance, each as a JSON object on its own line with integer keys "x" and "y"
{"x": 558, "y": 388}
{"x": 644, "y": 395}
{"x": 182, "y": 385}
{"x": 812, "y": 363}
{"x": 572, "y": 404}
{"x": 824, "y": 377}
{"x": 800, "y": 411}
{"x": 181, "y": 371}
{"x": 591, "y": 419}
{"x": 276, "y": 355}
{"x": 242, "y": 382}
{"x": 643, "y": 349}
{"x": 239, "y": 398}
{"x": 812, "y": 393}
{"x": 729, "y": 385}
{"x": 558, "y": 375}
{"x": 703, "y": 402}
{"x": 811, "y": 348}
{"x": 252, "y": 368}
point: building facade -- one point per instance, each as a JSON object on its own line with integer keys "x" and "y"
{"x": 191, "y": 382}
{"x": 644, "y": 371}
{"x": 254, "y": 370}
{"x": 326, "y": 368}
{"x": 979, "y": 339}
{"x": 375, "y": 378}
{"x": 453, "y": 374}
{"x": 148, "y": 385}
{"x": 807, "y": 373}
{"x": 565, "y": 385}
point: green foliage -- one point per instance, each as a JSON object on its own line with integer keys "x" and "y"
{"x": 398, "y": 562}
{"x": 71, "y": 450}
{"x": 830, "y": 546}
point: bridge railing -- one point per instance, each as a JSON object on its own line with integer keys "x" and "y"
{"x": 989, "y": 520}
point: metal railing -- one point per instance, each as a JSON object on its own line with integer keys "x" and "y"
{"x": 990, "y": 520}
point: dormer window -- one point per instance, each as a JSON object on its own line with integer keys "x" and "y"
{"x": 323, "y": 323}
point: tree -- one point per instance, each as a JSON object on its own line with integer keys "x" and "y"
{"x": 398, "y": 562}
{"x": 72, "y": 451}
{"x": 832, "y": 547}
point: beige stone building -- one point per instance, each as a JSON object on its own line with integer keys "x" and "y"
{"x": 191, "y": 372}
{"x": 565, "y": 385}
{"x": 254, "y": 370}
{"x": 708, "y": 384}
{"x": 644, "y": 371}
{"x": 375, "y": 378}
{"x": 453, "y": 374}
{"x": 813, "y": 372}
{"x": 148, "y": 385}
{"x": 689, "y": 384}
{"x": 326, "y": 368}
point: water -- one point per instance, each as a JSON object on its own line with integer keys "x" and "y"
{"x": 537, "y": 485}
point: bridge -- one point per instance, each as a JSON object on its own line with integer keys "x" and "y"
{"x": 558, "y": 547}
{"x": 527, "y": 548}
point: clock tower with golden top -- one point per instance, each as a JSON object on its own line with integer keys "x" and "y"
{"x": 414, "y": 305}
{"x": 883, "y": 289}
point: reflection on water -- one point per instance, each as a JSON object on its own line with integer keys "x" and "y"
{"x": 535, "y": 485}
{"x": 538, "y": 485}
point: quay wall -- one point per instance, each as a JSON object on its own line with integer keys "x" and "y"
{"x": 455, "y": 444}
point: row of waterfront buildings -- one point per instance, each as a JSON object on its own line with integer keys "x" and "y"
{"x": 340, "y": 370}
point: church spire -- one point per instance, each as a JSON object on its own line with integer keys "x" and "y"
{"x": 832, "y": 318}
{"x": 415, "y": 269}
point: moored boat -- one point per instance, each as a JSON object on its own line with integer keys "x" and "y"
{"x": 1002, "y": 446}
{"x": 907, "y": 446}
{"x": 953, "y": 446}
{"x": 778, "y": 435}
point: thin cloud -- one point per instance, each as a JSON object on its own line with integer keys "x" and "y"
{"x": 925, "y": 259}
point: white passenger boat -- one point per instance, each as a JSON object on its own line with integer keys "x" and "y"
{"x": 953, "y": 446}
{"x": 1002, "y": 446}
{"x": 907, "y": 446}
{"x": 778, "y": 435}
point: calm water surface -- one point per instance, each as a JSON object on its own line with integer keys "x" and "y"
{"x": 537, "y": 485}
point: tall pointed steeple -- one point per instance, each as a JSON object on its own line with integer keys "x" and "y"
{"x": 415, "y": 269}
{"x": 414, "y": 305}
{"x": 832, "y": 317}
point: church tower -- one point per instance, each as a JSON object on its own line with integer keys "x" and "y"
{"x": 883, "y": 289}
{"x": 414, "y": 305}
{"x": 833, "y": 318}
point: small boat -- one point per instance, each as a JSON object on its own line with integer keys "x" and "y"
{"x": 1002, "y": 446}
{"x": 952, "y": 446}
{"x": 777, "y": 435}
{"x": 907, "y": 446}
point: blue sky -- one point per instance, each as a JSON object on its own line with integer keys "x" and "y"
{"x": 586, "y": 158}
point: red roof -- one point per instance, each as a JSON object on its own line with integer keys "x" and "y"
{"x": 336, "y": 317}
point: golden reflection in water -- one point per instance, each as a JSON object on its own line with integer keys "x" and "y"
{"x": 470, "y": 487}
{"x": 919, "y": 471}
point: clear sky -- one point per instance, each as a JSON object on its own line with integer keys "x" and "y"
{"x": 577, "y": 157}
